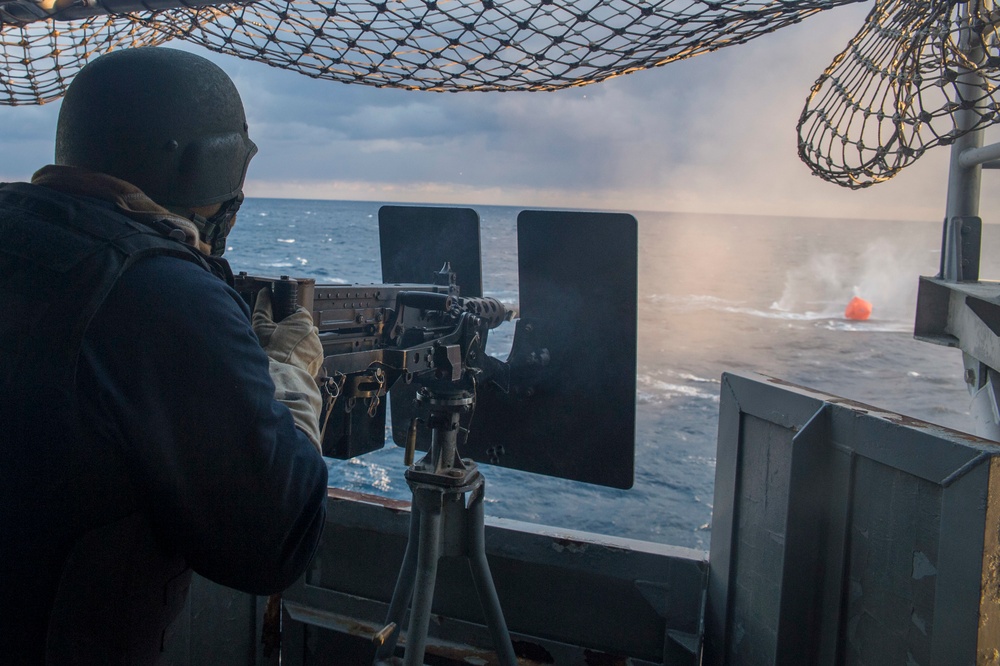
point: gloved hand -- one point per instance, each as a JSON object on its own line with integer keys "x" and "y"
{"x": 295, "y": 357}
{"x": 293, "y": 340}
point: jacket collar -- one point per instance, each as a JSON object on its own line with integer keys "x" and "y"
{"x": 128, "y": 199}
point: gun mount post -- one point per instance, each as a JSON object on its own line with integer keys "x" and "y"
{"x": 442, "y": 524}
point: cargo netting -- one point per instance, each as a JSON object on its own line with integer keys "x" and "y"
{"x": 891, "y": 95}
{"x": 443, "y": 45}
{"x": 919, "y": 74}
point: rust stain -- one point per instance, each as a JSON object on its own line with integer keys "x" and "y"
{"x": 989, "y": 601}
{"x": 348, "y": 625}
{"x": 361, "y": 629}
{"x": 572, "y": 544}
{"x": 991, "y": 577}
{"x": 398, "y": 506}
{"x": 464, "y": 655}
{"x": 528, "y": 654}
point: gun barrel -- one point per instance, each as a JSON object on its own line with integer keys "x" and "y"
{"x": 489, "y": 309}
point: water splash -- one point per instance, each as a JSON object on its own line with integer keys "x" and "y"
{"x": 883, "y": 273}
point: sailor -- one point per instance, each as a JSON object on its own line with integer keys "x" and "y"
{"x": 147, "y": 428}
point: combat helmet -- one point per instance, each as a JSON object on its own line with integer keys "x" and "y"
{"x": 168, "y": 121}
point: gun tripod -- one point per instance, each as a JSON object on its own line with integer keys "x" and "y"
{"x": 442, "y": 524}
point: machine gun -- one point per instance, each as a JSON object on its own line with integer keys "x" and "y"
{"x": 376, "y": 335}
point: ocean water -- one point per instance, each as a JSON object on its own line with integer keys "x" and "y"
{"x": 716, "y": 293}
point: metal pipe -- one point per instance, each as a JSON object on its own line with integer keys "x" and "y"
{"x": 403, "y": 592}
{"x": 427, "y": 562}
{"x": 444, "y": 439}
{"x": 485, "y": 586}
{"x": 964, "y": 180}
{"x": 971, "y": 157}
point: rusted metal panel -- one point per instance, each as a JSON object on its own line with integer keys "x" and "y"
{"x": 989, "y": 604}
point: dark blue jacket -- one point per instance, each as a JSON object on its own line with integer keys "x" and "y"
{"x": 139, "y": 436}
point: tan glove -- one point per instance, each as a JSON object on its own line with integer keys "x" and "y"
{"x": 293, "y": 340}
{"x": 295, "y": 355}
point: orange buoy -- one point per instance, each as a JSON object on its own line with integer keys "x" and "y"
{"x": 858, "y": 309}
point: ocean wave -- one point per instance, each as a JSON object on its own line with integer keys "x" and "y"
{"x": 870, "y": 326}
{"x": 705, "y": 302}
{"x": 830, "y": 317}
{"x": 687, "y": 376}
{"x": 690, "y": 300}
{"x": 659, "y": 390}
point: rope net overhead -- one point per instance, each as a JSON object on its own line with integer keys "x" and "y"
{"x": 919, "y": 74}
{"x": 480, "y": 45}
{"x": 41, "y": 59}
{"x": 440, "y": 45}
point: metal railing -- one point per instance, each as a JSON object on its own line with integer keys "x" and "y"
{"x": 956, "y": 308}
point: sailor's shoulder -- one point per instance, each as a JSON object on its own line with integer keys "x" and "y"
{"x": 167, "y": 280}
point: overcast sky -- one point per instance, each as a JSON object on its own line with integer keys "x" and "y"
{"x": 712, "y": 134}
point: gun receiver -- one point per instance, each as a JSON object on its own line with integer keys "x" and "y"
{"x": 375, "y": 335}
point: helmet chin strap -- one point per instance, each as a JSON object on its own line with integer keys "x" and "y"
{"x": 213, "y": 231}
